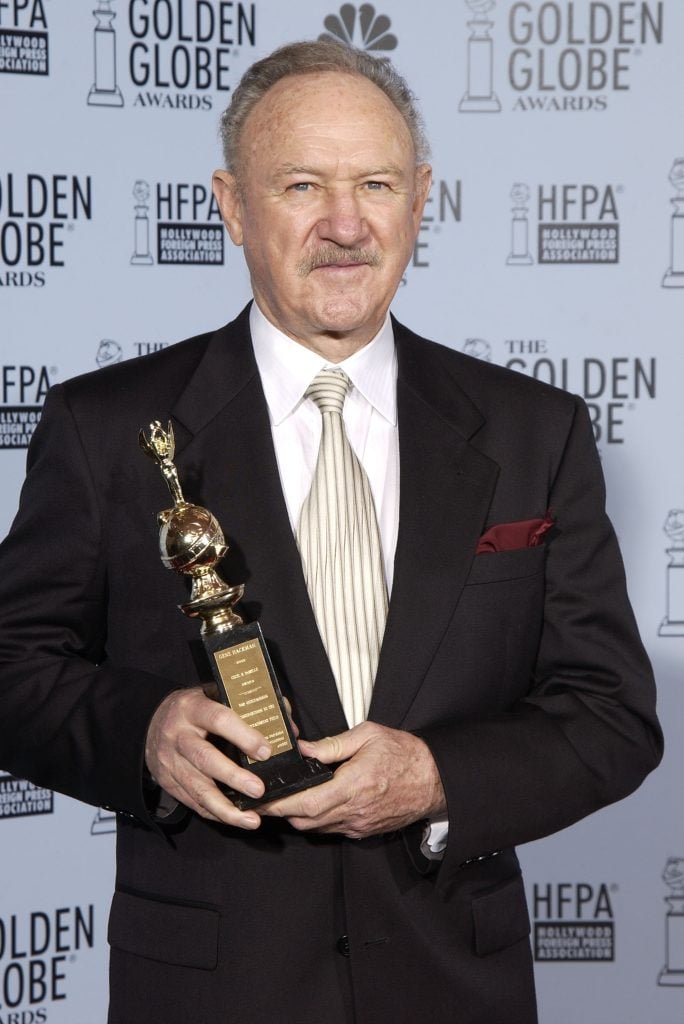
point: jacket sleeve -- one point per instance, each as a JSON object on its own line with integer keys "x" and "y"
{"x": 70, "y": 720}
{"x": 585, "y": 734}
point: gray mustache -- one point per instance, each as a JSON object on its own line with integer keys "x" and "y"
{"x": 333, "y": 254}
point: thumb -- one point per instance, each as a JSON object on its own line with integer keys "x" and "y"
{"x": 332, "y": 749}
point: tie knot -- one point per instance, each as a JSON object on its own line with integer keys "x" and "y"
{"x": 328, "y": 390}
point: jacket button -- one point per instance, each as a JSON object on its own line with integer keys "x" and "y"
{"x": 343, "y": 945}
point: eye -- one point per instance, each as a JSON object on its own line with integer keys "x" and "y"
{"x": 301, "y": 186}
{"x": 376, "y": 186}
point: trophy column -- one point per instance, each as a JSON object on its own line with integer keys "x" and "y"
{"x": 673, "y": 623}
{"x": 520, "y": 252}
{"x": 674, "y": 275}
{"x": 479, "y": 96}
{"x": 191, "y": 542}
{"x": 105, "y": 92}
{"x": 141, "y": 253}
{"x": 673, "y": 971}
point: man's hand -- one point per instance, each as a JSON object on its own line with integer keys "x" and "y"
{"x": 388, "y": 779}
{"x": 184, "y": 762}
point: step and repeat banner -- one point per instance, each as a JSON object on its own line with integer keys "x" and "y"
{"x": 553, "y": 243}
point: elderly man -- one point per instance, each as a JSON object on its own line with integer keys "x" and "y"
{"x": 425, "y": 545}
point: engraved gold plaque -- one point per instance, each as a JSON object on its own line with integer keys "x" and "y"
{"x": 250, "y": 691}
{"x": 191, "y": 542}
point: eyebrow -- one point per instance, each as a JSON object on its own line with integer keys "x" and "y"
{"x": 287, "y": 168}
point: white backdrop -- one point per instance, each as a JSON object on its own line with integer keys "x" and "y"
{"x": 553, "y": 242}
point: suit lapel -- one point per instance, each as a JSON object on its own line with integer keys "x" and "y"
{"x": 227, "y": 463}
{"x": 446, "y": 487}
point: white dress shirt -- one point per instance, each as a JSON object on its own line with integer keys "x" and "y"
{"x": 370, "y": 418}
{"x": 286, "y": 369}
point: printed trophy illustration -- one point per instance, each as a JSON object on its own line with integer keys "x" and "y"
{"x": 673, "y": 971}
{"x": 520, "y": 252}
{"x": 674, "y": 275}
{"x": 108, "y": 352}
{"x": 479, "y": 96}
{"x": 104, "y": 823}
{"x": 191, "y": 542}
{"x": 478, "y": 348}
{"x": 673, "y": 623}
{"x": 141, "y": 254}
{"x": 105, "y": 92}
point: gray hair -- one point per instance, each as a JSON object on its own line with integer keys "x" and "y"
{"x": 314, "y": 57}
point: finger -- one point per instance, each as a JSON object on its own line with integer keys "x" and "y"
{"x": 190, "y": 778}
{"x": 288, "y": 708}
{"x": 211, "y": 763}
{"x": 316, "y": 806}
{"x": 185, "y": 762}
{"x": 204, "y": 797}
{"x": 337, "y": 828}
{"x": 218, "y": 720}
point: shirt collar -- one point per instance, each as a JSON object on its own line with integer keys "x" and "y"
{"x": 287, "y": 368}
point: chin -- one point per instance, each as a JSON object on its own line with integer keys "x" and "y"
{"x": 343, "y": 318}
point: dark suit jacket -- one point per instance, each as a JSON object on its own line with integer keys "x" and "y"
{"x": 521, "y": 669}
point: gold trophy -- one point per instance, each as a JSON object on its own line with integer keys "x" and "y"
{"x": 191, "y": 542}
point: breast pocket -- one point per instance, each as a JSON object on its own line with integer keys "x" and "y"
{"x": 498, "y": 566}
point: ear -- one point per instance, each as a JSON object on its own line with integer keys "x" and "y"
{"x": 421, "y": 190}
{"x": 227, "y": 194}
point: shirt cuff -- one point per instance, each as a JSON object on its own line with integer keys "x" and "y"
{"x": 435, "y": 835}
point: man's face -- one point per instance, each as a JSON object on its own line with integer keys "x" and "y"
{"x": 329, "y": 207}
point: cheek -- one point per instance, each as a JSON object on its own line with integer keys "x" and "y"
{"x": 398, "y": 229}
{"x": 273, "y": 266}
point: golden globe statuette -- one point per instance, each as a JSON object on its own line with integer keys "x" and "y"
{"x": 191, "y": 542}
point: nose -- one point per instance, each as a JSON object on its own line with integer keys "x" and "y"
{"x": 342, "y": 221}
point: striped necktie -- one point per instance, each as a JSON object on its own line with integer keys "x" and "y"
{"x": 339, "y": 543}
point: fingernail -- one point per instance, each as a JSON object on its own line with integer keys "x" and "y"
{"x": 252, "y": 820}
{"x": 263, "y": 753}
{"x": 254, "y": 788}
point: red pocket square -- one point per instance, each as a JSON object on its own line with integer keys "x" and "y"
{"x": 527, "y": 533}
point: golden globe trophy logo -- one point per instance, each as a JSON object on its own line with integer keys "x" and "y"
{"x": 189, "y": 229}
{"x": 22, "y": 392}
{"x": 38, "y": 212}
{"x": 109, "y": 351}
{"x": 479, "y": 97}
{"x": 573, "y": 922}
{"x": 23, "y": 38}
{"x": 104, "y": 822}
{"x": 674, "y": 275}
{"x": 576, "y": 224}
{"x": 673, "y": 622}
{"x": 673, "y": 971}
{"x": 104, "y": 91}
{"x": 168, "y": 54}
{"x": 21, "y": 799}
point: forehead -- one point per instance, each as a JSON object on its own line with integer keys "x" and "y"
{"x": 328, "y": 107}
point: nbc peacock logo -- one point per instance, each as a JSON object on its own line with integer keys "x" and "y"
{"x": 360, "y": 27}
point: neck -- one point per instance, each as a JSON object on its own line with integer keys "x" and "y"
{"x": 333, "y": 346}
